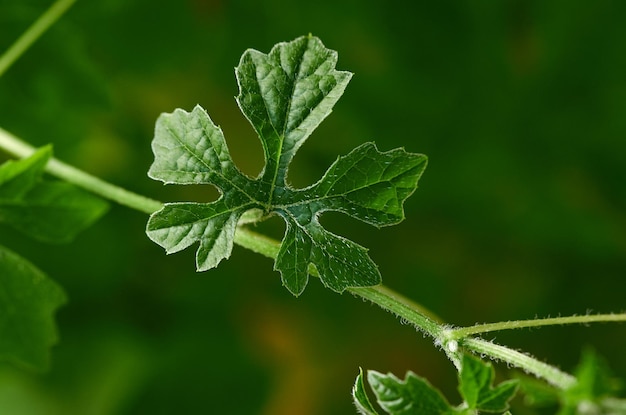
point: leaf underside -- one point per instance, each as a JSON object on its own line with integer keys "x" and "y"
{"x": 360, "y": 398}
{"x": 285, "y": 95}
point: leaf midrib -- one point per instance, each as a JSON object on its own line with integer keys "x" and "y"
{"x": 283, "y": 134}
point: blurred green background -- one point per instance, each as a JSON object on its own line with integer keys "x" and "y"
{"x": 520, "y": 105}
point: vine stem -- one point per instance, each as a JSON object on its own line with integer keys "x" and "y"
{"x": 34, "y": 32}
{"x": 16, "y": 147}
{"x": 458, "y": 333}
{"x": 540, "y": 369}
{"x": 423, "y": 320}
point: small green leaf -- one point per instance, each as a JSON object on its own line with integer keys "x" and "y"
{"x": 28, "y": 300}
{"x": 475, "y": 386}
{"x": 285, "y": 95}
{"x": 359, "y": 396}
{"x": 412, "y": 396}
{"x": 53, "y": 212}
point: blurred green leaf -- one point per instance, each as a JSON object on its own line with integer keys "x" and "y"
{"x": 285, "y": 95}
{"x": 53, "y": 212}
{"x": 28, "y": 300}
{"x": 594, "y": 392}
{"x": 536, "y": 392}
{"x": 17, "y": 177}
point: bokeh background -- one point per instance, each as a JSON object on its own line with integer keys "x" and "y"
{"x": 520, "y": 105}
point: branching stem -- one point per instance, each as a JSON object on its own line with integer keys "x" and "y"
{"x": 540, "y": 369}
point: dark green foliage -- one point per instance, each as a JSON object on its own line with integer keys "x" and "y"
{"x": 285, "y": 95}
{"x": 519, "y": 105}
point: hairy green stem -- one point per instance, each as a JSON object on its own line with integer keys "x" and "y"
{"x": 461, "y": 332}
{"x": 257, "y": 243}
{"x": 421, "y": 318}
{"x": 551, "y": 374}
{"x": 33, "y": 33}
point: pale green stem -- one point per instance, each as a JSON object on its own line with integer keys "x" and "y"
{"x": 18, "y": 148}
{"x": 380, "y": 295}
{"x": 551, "y": 374}
{"x": 33, "y": 33}
{"x": 256, "y": 242}
{"x": 461, "y": 332}
{"x": 402, "y": 307}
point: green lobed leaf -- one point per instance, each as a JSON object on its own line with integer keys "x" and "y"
{"x": 53, "y": 212}
{"x": 475, "y": 385}
{"x": 189, "y": 148}
{"x": 359, "y": 396}
{"x": 28, "y": 301}
{"x": 415, "y": 395}
{"x": 411, "y": 396}
{"x": 285, "y": 95}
